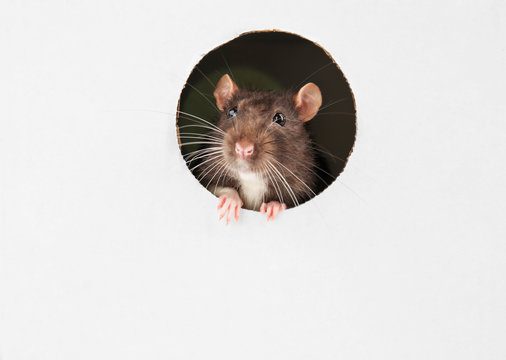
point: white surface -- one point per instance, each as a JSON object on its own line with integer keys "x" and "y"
{"x": 111, "y": 250}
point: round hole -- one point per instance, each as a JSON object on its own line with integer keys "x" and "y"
{"x": 220, "y": 123}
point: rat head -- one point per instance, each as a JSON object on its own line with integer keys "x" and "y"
{"x": 264, "y": 126}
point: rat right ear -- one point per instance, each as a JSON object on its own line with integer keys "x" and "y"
{"x": 224, "y": 91}
{"x": 308, "y": 101}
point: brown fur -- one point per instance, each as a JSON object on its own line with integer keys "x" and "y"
{"x": 286, "y": 147}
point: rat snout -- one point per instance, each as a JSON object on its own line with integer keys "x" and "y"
{"x": 244, "y": 149}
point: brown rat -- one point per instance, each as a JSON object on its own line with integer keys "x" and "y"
{"x": 259, "y": 155}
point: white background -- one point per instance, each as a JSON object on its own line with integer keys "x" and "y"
{"x": 110, "y": 249}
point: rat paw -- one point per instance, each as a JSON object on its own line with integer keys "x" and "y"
{"x": 229, "y": 205}
{"x": 272, "y": 209}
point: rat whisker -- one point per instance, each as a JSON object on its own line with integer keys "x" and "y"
{"x": 200, "y": 133}
{"x": 332, "y": 103}
{"x": 335, "y": 178}
{"x": 204, "y": 171}
{"x": 314, "y": 172}
{"x": 336, "y": 113}
{"x": 323, "y": 170}
{"x": 317, "y": 175}
{"x": 324, "y": 151}
{"x": 199, "y": 126}
{"x": 189, "y": 161}
{"x": 204, "y": 97}
{"x": 200, "y": 151}
{"x": 200, "y": 143}
{"x": 203, "y": 156}
{"x": 203, "y": 93}
{"x": 303, "y": 183}
{"x": 277, "y": 187}
{"x": 313, "y": 74}
{"x": 200, "y": 136}
{"x": 209, "y": 169}
{"x": 223, "y": 164}
{"x": 353, "y": 191}
{"x": 228, "y": 67}
{"x": 215, "y": 130}
{"x": 194, "y": 155}
{"x": 286, "y": 184}
{"x": 290, "y": 171}
{"x": 205, "y": 76}
{"x": 203, "y": 120}
{"x": 274, "y": 184}
{"x": 206, "y": 150}
{"x": 222, "y": 171}
{"x": 206, "y": 161}
{"x": 225, "y": 173}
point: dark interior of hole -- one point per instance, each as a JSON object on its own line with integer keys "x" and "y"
{"x": 278, "y": 60}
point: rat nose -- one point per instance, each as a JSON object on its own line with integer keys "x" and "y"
{"x": 244, "y": 148}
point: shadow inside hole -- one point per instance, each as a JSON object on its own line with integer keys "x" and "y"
{"x": 274, "y": 60}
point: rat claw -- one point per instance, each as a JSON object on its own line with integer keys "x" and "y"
{"x": 224, "y": 209}
{"x": 275, "y": 210}
{"x": 236, "y": 217}
{"x": 221, "y": 200}
{"x": 269, "y": 212}
{"x": 263, "y": 208}
{"x": 272, "y": 209}
{"x": 229, "y": 213}
{"x": 229, "y": 206}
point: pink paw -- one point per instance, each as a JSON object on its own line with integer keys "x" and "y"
{"x": 229, "y": 206}
{"x": 272, "y": 209}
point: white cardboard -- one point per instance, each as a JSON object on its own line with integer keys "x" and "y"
{"x": 110, "y": 249}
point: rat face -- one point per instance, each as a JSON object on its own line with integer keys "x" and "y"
{"x": 264, "y": 127}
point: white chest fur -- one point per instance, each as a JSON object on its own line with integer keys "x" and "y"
{"x": 253, "y": 188}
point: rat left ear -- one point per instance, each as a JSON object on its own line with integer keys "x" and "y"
{"x": 308, "y": 101}
{"x": 224, "y": 91}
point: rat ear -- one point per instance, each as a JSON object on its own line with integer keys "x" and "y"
{"x": 308, "y": 101}
{"x": 224, "y": 91}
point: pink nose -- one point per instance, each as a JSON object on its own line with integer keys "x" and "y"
{"x": 244, "y": 149}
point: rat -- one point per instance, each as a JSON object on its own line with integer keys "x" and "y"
{"x": 260, "y": 155}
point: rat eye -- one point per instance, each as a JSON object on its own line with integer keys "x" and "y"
{"x": 232, "y": 112}
{"x": 279, "y": 119}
